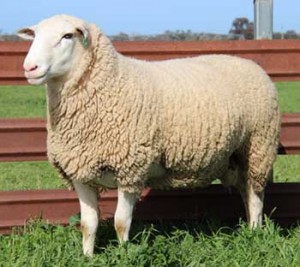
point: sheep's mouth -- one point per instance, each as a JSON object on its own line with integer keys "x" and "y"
{"x": 37, "y": 80}
{"x": 40, "y": 79}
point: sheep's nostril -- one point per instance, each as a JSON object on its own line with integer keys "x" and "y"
{"x": 34, "y": 68}
{"x": 30, "y": 68}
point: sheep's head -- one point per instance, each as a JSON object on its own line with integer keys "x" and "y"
{"x": 58, "y": 44}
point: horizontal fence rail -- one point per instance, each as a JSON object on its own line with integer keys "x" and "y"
{"x": 282, "y": 203}
{"x": 25, "y": 139}
{"x": 290, "y": 134}
{"x": 22, "y": 139}
{"x": 280, "y": 58}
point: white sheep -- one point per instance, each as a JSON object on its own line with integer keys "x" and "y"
{"x": 118, "y": 122}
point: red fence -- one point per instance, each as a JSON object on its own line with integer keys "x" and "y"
{"x": 26, "y": 140}
{"x": 280, "y": 58}
{"x": 281, "y": 204}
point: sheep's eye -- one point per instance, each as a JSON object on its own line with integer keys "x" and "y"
{"x": 68, "y": 36}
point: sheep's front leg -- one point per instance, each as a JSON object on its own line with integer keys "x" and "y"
{"x": 88, "y": 199}
{"x": 123, "y": 215}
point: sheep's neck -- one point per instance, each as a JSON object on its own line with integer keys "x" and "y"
{"x": 74, "y": 96}
{"x": 84, "y": 103}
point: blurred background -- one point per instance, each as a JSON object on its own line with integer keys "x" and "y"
{"x": 156, "y": 20}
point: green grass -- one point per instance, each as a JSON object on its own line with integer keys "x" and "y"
{"x": 28, "y": 175}
{"x": 40, "y": 175}
{"x": 22, "y": 102}
{"x": 289, "y": 96}
{"x": 287, "y": 169}
{"x": 189, "y": 245}
{"x": 29, "y": 101}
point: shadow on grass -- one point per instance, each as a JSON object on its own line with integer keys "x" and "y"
{"x": 148, "y": 231}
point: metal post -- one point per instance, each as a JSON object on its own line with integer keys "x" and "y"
{"x": 263, "y": 19}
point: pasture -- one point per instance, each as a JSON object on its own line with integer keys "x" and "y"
{"x": 30, "y": 102}
{"x": 183, "y": 245}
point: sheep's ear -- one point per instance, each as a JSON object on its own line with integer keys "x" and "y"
{"x": 84, "y": 33}
{"x": 26, "y": 33}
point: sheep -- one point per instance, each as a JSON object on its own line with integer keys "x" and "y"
{"x": 119, "y": 122}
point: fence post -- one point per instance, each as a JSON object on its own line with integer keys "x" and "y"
{"x": 263, "y": 19}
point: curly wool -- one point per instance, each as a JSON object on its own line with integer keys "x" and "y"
{"x": 174, "y": 123}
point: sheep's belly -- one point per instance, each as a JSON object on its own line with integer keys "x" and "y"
{"x": 161, "y": 178}
{"x": 107, "y": 180}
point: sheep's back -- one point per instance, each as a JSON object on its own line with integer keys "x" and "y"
{"x": 209, "y": 106}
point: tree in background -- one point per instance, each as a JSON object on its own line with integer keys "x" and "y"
{"x": 242, "y": 28}
{"x": 291, "y": 34}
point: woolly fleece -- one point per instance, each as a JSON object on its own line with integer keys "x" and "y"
{"x": 174, "y": 123}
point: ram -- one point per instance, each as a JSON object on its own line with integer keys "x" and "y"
{"x": 118, "y": 122}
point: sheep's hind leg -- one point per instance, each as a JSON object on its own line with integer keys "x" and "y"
{"x": 253, "y": 202}
{"x": 88, "y": 199}
{"x": 255, "y": 206}
{"x": 260, "y": 161}
{"x": 123, "y": 214}
{"x": 238, "y": 176}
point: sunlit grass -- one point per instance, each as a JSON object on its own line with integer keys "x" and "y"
{"x": 287, "y": 169}
{"x": 190, "y": 245}
{"x": 28, "y": 175}
{"x": 22, "y": 102}
{"x": 30, "y": 102}
{"x": 289, "y": 96}
{"x": 40, "y": 175}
